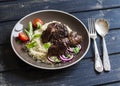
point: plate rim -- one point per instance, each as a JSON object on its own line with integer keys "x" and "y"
{"x": 53, "y": 68}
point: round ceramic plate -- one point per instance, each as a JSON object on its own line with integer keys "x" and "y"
{"x": 49, "y": 15}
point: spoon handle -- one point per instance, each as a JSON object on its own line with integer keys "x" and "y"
{"x": 98, "y": 62}
{"x": 106, "y": 61}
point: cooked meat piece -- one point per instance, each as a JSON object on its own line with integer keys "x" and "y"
{"x": 53, "y": 51}
{"x": 52, "y": 27}
{"x": 46, "y": 35}
{"x": 62, "y": 31}
{"x": 57, "y": 49}
{"x": 62, "y": 48}
{"x": 54, "y": 31}
{"x": 74, "y": 38}
{"x": 58, "y": 35}
{"x": 59, "y": 32}
{"x": 66, "y": 41}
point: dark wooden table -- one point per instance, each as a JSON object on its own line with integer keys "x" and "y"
{"x": 14, "y": 72}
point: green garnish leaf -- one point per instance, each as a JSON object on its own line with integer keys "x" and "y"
{"x": 38, "y": 25}
{"x": 18, "y": 41}
{"x": 31, "y": 44}
{"x": 29, "y": 31}
{"x": 36, "y": 36}
{"x": 47, "y": 45}
{"x": 68, "y": 55}
{"x": 30, "y": 28}
{"x": 28, "y": 34}
{"x": 55, "y": 59}
{"x": 76, "y": 50}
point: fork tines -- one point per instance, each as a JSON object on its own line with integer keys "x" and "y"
{"x": 91, "y": 25}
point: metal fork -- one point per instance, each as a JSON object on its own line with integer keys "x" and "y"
{"x": 93, "y": 35}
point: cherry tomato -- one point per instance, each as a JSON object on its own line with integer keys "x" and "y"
{"x": 23, "y": 37}
{"x": 36, "y": 22}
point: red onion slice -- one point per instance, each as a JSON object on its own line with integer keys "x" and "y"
{"x": 54, "y": 60}
{"x": 79, "y": 46}
{"x": 64, "y": 58}
{"x": 70, "y": 49}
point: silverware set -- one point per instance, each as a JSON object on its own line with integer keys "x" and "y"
{"x": 100, "y": 26}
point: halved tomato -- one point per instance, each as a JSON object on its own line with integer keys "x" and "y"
{"x": 37, "y": 22}
{"x": 23, "y": 37}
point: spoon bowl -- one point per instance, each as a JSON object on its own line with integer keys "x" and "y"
{"x": 102, "y": 27}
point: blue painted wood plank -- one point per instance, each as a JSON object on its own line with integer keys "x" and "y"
{"x": 81, "y": 74}
{"x": 17, "y": 9}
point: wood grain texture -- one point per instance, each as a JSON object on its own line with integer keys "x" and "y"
{"x": 6, "y": 0}
{"x": 14, "y": 72}
{"x": 117, "y": 83}
{"x": 9, "y": 60}
{"x": 81, "y": 74}
{"x": 18, "y": 9}
{"x": 111, "y": 39}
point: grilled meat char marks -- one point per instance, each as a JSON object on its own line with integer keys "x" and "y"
{"x": 61, "y": 39}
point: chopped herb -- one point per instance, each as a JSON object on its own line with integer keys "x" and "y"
{"x": 29, "y": 31}
{"x": 36, "y": 36}
{"x": 30, "y": 28}
{"x": 18, "y": 41}
{"x": 55, "y": 59}
{"x": 31, "y": 44}
{"x": 68, "y": 56}
{"x": 47, "y": 45}
{"x": 28, "y": 34}
{"x": 76, "y": 50}
{"x": 38, "y": 25}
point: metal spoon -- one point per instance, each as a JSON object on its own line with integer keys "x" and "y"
{"x": 101, "y": 26}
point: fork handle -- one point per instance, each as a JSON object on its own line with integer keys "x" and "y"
{"x": 106, "y": 60}
{"x": 98, "y": 62}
